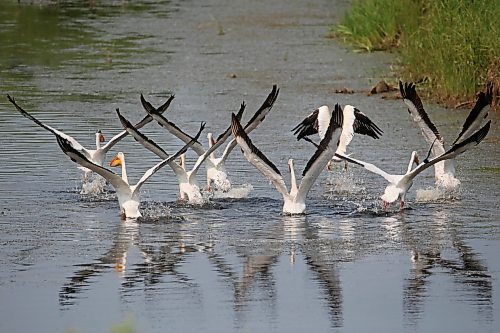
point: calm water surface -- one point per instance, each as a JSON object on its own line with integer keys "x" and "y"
{"x": 67, "y": 261}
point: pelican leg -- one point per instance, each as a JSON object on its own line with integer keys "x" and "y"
{"x": 402, "y": 204}
{"x": 329, "y": 166}
{"x": 386, "y": 204}
{"x": 345, "y": 165}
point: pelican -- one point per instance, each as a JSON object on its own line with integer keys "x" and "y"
{"x": 295, "y": 200}
{"x": 355, "y": 121}
{"x": 216, "y": 172}
{"x": 98, "y": 155}
{"x": 128, "y": 195}
{"x": 400, "y": 184}
{"x": 444, "y": 171}
{"x": 216, "y": 168}
{"x": 188, "y": 184}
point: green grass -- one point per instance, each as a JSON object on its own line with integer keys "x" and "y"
{"x": 449, "y": 43}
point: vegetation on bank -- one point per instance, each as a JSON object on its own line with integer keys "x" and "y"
{"x": 454, "y": 45}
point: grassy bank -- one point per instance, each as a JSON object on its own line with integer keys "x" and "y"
{"x": 454, "y": 45}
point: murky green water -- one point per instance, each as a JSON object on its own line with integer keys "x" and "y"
{"x": 68, "y": 262}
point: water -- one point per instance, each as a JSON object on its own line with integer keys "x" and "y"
{"x": 234, "y": 264}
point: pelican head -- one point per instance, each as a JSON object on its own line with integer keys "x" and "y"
{"x": 117, "y": 160}
{"x": 413, "y": 159}
{"x": 99, "y": 136}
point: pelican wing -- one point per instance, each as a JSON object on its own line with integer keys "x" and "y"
{"x": 144, "y": 121}
{"x": 455, "y": 150}
{"x": 262, "y": 112}
{"x": 151, "y": 109}
{"x": 161, "y": 164}
{"x": 256, "y": 119}
{"x": 76, "y": 145}
{"x": 370, "y": 167}
{"x": 227, "y": 132}
{"x": 257, "y": 158}
{"x": 147, "y": 143}
{"x": 321, "y": 157}
{"x": 222, "y": 138}
{"x": 172, "y": 128}
{"x": 363, "y": 125}
{"x": 478, "y": 113}
{"x": 76, "y": 156}
{"x": 308, "y": 126}
{"x": 416, "y": 110}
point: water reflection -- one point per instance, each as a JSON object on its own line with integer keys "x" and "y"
{"x": 157, "y": 261}
{"x": 249, "y": 270}
{"x": 432, "y": 255}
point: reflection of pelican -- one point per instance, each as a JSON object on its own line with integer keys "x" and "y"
{"x": 445, "y": 170}
{"x": 157, "y": 262}
{"x": 98, "y": 155}
{"x": 432, "y": 255}
{"x": 128, "y": 195}
{"x": 115, "y": 257}
{"x": 259, "y": 260}
{"x": 215, "y": 166}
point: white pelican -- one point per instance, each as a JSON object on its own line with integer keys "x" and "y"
{"x": 97, "y": 155}
{"x": 188, "y": 184}
{"x": 295, "y": 200}
{"x": 128, "y": 195}
{"x": 444, "y": 171}
{"x": 355, "y": 121}
{"x": 400, "y": 184}
{"x": 216, "y": 172}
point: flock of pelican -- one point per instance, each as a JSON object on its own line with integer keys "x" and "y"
{"x": 335, "y": 128}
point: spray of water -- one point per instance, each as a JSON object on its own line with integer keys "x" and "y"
{"x": 236, "y": 192}
{"x": 93, "y": 186}
{"x": 437, "y": 194}
{"x": 343, "y": 183}
{"x": 158, "y": 212}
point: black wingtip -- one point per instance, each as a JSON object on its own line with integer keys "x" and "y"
{"x": 125, "y": 123}
{"x": 65, "y": 145}
{"x": 235, "y": 125}
{"x": 197, "y": 136}
{"x": 477, "y": 137}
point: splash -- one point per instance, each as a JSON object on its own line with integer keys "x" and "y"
{"x": 93, "y": 185}
{"x": 158, "y": 212}
{"x": 434, "y": 194}
{"x": 344, "y": 183}
{"x": 235, "y": 192}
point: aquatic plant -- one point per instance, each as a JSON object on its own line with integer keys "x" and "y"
{"x": 451, "y": 44}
